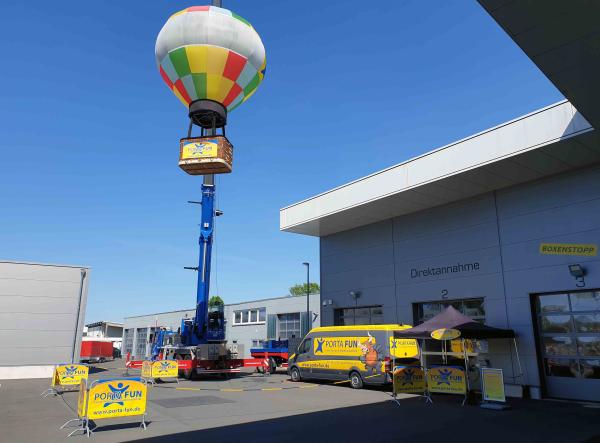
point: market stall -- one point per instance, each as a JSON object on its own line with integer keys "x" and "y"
{"x": 456, "y": 333}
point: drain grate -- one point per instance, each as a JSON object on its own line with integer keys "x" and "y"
{"x": 184, "y": 402}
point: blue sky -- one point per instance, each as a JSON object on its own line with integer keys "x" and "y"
{"x": 89, "y": 133}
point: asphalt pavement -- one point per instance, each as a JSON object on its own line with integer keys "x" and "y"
{"x": 252, "y": 407}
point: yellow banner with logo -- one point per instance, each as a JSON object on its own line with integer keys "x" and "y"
{"x": 349, "y": 346}
{"x": 68, "y": 374}
{"x": 584, "y": 250}
{"x": 409, "y": 379}
{"x": 119, "y": 397}
{"x": 447, "y": 379}
{"x": 403, "y": 348}
{"x": 82, "y": 399}
{"x": 200, "y": 149}
{"x": 146, "y": 369}
{"x": 165, "y": 369}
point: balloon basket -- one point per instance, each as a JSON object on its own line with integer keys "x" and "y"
{"x": 206, "y": 155}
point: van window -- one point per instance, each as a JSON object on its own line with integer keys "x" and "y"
{"x": 304, "y": 347}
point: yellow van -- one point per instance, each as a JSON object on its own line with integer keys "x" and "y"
{"x": 361, "y": 354}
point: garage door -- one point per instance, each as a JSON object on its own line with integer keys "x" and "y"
{"x": 569, "y": 334}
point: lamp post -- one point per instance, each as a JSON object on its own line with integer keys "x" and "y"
{"x": 308, "y": 319}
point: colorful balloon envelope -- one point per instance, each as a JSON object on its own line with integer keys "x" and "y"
{"x": 210, "y": 53}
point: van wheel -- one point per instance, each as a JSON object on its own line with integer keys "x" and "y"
{"x": 356, "y": 380}
{"x": 295, "y": 374}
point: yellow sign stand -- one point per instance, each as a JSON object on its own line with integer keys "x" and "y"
{"x": 409, "y": 380}
{"x": 151, "y": 370}
{"x": 447, "y": 380}
{"x": 110, "y": 398}
{"x": 493, "y": 385}
{"x": 66, "y": 375}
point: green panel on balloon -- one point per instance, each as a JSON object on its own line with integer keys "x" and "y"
{"x": 200, "y": 84}
{"x": 252, "y": 85}
{"x": 180, "y": 62}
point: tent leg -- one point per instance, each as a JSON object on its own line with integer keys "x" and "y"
{"x": 520, "y": 375}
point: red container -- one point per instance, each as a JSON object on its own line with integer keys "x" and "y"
{"x": 96, "y": 350}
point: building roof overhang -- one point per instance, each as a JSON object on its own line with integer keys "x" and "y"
{"x": 548, "y": 141}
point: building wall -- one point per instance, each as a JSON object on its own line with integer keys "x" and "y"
{"x": 42, "y": 308}
{"x": 241, "y": 334}
{"x": 500, "y": 231}
{"x": 246, "y": 334}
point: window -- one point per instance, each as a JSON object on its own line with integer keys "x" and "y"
{"x": 256, "y": 343}
{"x": 289, "y": 325}
{"x": 471, "y": 307}
{"x": 363, "y": 315}
{"x": 250, "y": 316}
{"x": 304, "y": 347}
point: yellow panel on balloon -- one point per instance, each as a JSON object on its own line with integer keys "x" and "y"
{"x": 197, "y": 56}
{"x": 217, "y": 57}
{"x": 218, "y": 87}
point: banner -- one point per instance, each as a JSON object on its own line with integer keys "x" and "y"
{"x": 409, "y": 379}
{"x": 146, "y": 369}
{"x": 403, "y": 347}
{"x": 447, "y": 379}
{"x": 350, "y": 346}
{"x": 82, "y": 399}
{"x": 68, "y": 374}
{"x": 165, "y": 369}
{"x": 200, "y": 149}
{"x": 119, "y": 397}
{"x": 493, "y": 385}
{"x": 584, "y": 250}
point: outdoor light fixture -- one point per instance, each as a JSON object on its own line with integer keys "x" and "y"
{"x": 355, "y": 294}
{"x": 576, "y": 270}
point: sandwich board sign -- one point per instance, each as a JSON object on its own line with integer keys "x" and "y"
{"x": 493, "y": 393}
{"x": 66, "y": 375}
{"x": 110, "y": 398}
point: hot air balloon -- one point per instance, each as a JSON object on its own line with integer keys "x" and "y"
{"x": 213, "y": 60}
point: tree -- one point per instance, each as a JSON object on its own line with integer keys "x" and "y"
{"x": 300, "y": 289}
{"x": 215, "y": 300}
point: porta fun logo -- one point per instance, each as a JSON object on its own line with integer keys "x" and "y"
{"x": 72, "y": 371}
{"x": 408, "y": 377}
{"x": 319, "y": 345}
{"x": 165, "y": 366}
{"x": 117, "y": 395}
{"x": 445, "y": 377}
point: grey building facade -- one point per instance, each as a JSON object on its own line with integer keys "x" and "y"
{"x": 482, "y": 255}
{"x": 247, "y": 324}
{"x": 504, "y": 225}
{"x": 42, "y": 310}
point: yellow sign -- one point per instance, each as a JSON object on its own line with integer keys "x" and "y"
{"x": 165, "y": 369}
{"x": 118, "y": 397}
{"x": 493, "y": 384}
{"x": 82, "y": 399}
{"x": 585, "y": 250}
{"x": 146, "y": 369}
{"x": 409, "y": 379}
{"x": 446, "y": 379}
{"x": 69, "y": 374}
{"x": 201, "y": 149}
{"x": 403, "y": 348}
{"x": 445, "y": 334}
{"x": 352, "y": 346}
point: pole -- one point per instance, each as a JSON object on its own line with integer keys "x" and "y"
{"x": 308, "y": 317}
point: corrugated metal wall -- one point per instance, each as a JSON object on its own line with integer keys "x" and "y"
{"x": 42, "y": 310}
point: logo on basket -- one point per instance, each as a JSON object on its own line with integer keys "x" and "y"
{"x": 204, "y": 148}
